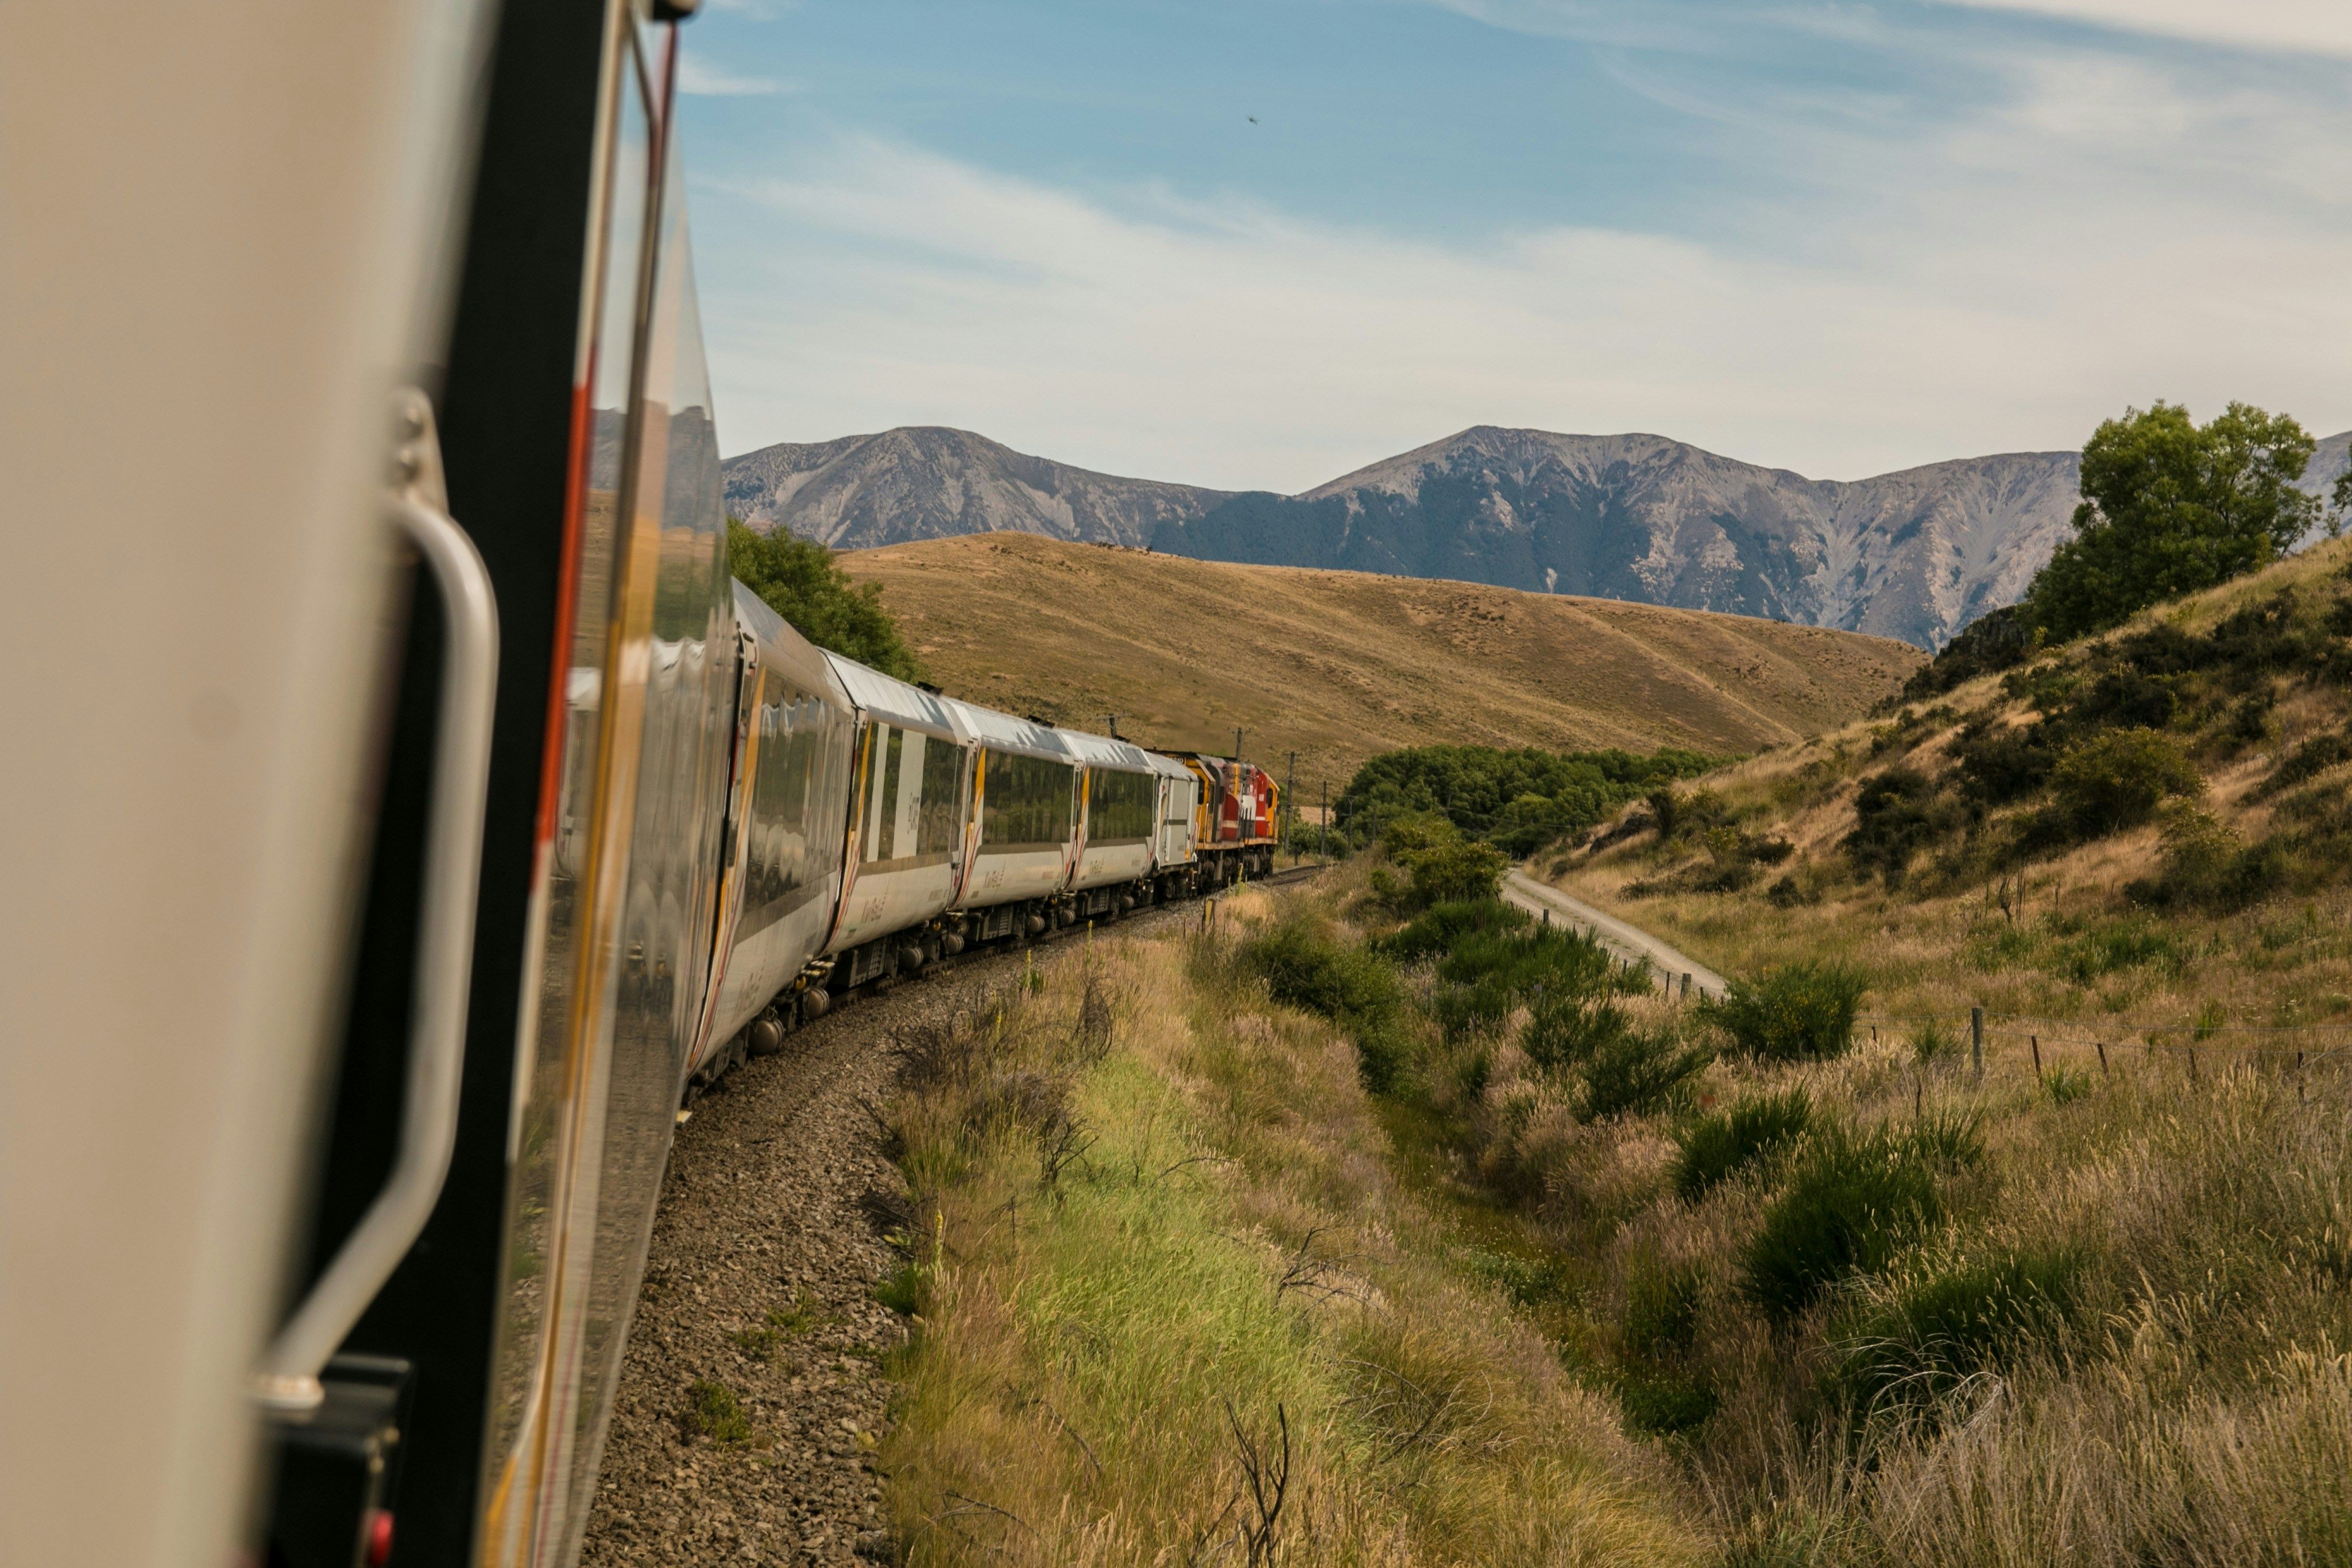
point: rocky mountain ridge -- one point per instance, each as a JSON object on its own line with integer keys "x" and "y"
{"x": 1914, "y": 555}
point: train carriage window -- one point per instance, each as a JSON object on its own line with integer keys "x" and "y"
{"x": 940, "y": 822}
{"x": 881, "y": 841}
{"x": 1026, "y": 800}
{"x": 1120, "y": 806}
{"x": 780, "y": 872}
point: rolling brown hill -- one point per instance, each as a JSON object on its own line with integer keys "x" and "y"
{"x": 1340, "y": 665}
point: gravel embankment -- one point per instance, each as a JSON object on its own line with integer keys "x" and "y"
{"x": 765, "y": 1211}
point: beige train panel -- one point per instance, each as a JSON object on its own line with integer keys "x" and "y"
{"x": 219, "y": 256}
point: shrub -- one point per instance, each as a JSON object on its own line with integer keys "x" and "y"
{"x": 1854, "y": 1201}
{"x": 1999, "y": 640}
{"x": 1456, "y": 872}
{"x": 1489, "y": 973}
{"x": 2205, "y": 865}
{"x": 1437, "y": 928}
{"x": 1565, "y": 1031}
{"x": 2119, "y": 778}
{"x": 1639, "y": 1075}
{"x": 1713, "y": 1149}
{"x": 1796, "y": 1012}
{"x": 1937, "y": 1326}
{"x": 1896, "y": 817}
{"x": 1353, "y": 987}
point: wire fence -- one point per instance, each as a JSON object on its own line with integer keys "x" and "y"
{"x": 2198, "y": 1046}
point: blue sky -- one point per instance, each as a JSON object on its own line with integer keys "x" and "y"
{"x": 1837, "y": 238}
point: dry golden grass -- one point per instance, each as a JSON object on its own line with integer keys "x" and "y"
{"x": 1101, "y": 1360}
{"x": 2282, "y": 963}
{"x": 1339, "y": 665}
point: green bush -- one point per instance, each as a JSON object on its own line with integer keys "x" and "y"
{"x": 1854, "y": 1201}
{"x": 1489, "y": 973}
{"x": 2205, "y": 866}
{"x": 1897, "y": 813}
{"x": 1796, "y": 1012}
{"x": 1713, "y": 1149}
{"x": 1564, "y": 1029}
{"x": 1458, "y": 871}
{"x": 2119, "y": 778}
{"x": 1937, "y": 1326}
{"x": 1437, "y": 928}
{"x": 1353, "y": 987}
{"x": 1639, "y": 1075}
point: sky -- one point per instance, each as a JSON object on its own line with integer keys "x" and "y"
{"x": 1257, "y": 245}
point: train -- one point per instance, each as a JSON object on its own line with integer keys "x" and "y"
{"x": 409, "y": 811}
{"x": 873, "y": 828}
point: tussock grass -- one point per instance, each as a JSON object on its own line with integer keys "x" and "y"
{"x": 1223, "y": 1332}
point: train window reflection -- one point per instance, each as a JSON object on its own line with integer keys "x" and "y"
{"x": 1026, "y": 800}
{"x": 1120, "y": 806}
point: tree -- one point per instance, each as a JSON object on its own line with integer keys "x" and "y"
{"x": 2169, "y": 507}
{"x": 799, "y": 579}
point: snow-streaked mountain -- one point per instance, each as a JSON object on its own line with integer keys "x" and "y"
{"x": 1914, "y": 554}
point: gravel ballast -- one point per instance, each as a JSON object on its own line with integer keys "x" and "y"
{"x": 759, "y": 1282}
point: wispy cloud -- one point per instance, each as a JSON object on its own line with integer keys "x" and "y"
{"x": 1968, "y": 234}
{"x": 1226, "y": 344}
{"x": 699, "y": 77}
{"x": 2322, "y": 27}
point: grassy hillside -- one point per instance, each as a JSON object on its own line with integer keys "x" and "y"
{"x": 2087, "y": 1305}
{"x": 2151, "y": 826}
{"x": 1340, "y": 665}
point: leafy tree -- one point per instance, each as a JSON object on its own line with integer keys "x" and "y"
{"x": 2171, "y": 507}
{"x": 799, "y": 579}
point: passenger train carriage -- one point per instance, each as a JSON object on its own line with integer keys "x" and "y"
{"x": 479, "y": 816}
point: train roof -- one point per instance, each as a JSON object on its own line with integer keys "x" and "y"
{"x": 786, "y": 649}
{"x": 1105, "y": 751}
{"x": 893, "y": 701}
{"x": 1005, "y": 733}
{"x": 1167, "y": 766}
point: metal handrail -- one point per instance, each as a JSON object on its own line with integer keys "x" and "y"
{"x": 287, "y": 1378}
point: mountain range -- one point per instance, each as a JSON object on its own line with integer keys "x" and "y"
{"x": 1914, "y": 554}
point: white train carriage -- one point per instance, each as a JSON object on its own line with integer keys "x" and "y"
{"x": 910, "y": 807}
{"x": 1174, "y": 852}
{"x": 795, "y": 738}
{"x": 1119, "y": 795}
{"x": 1022, "y": 838}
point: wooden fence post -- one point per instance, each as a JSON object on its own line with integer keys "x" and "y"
{"x": 2103, "y": 1058}
{"x": 1976, "y": 1040}
{"x": 2035, "y": 1042}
